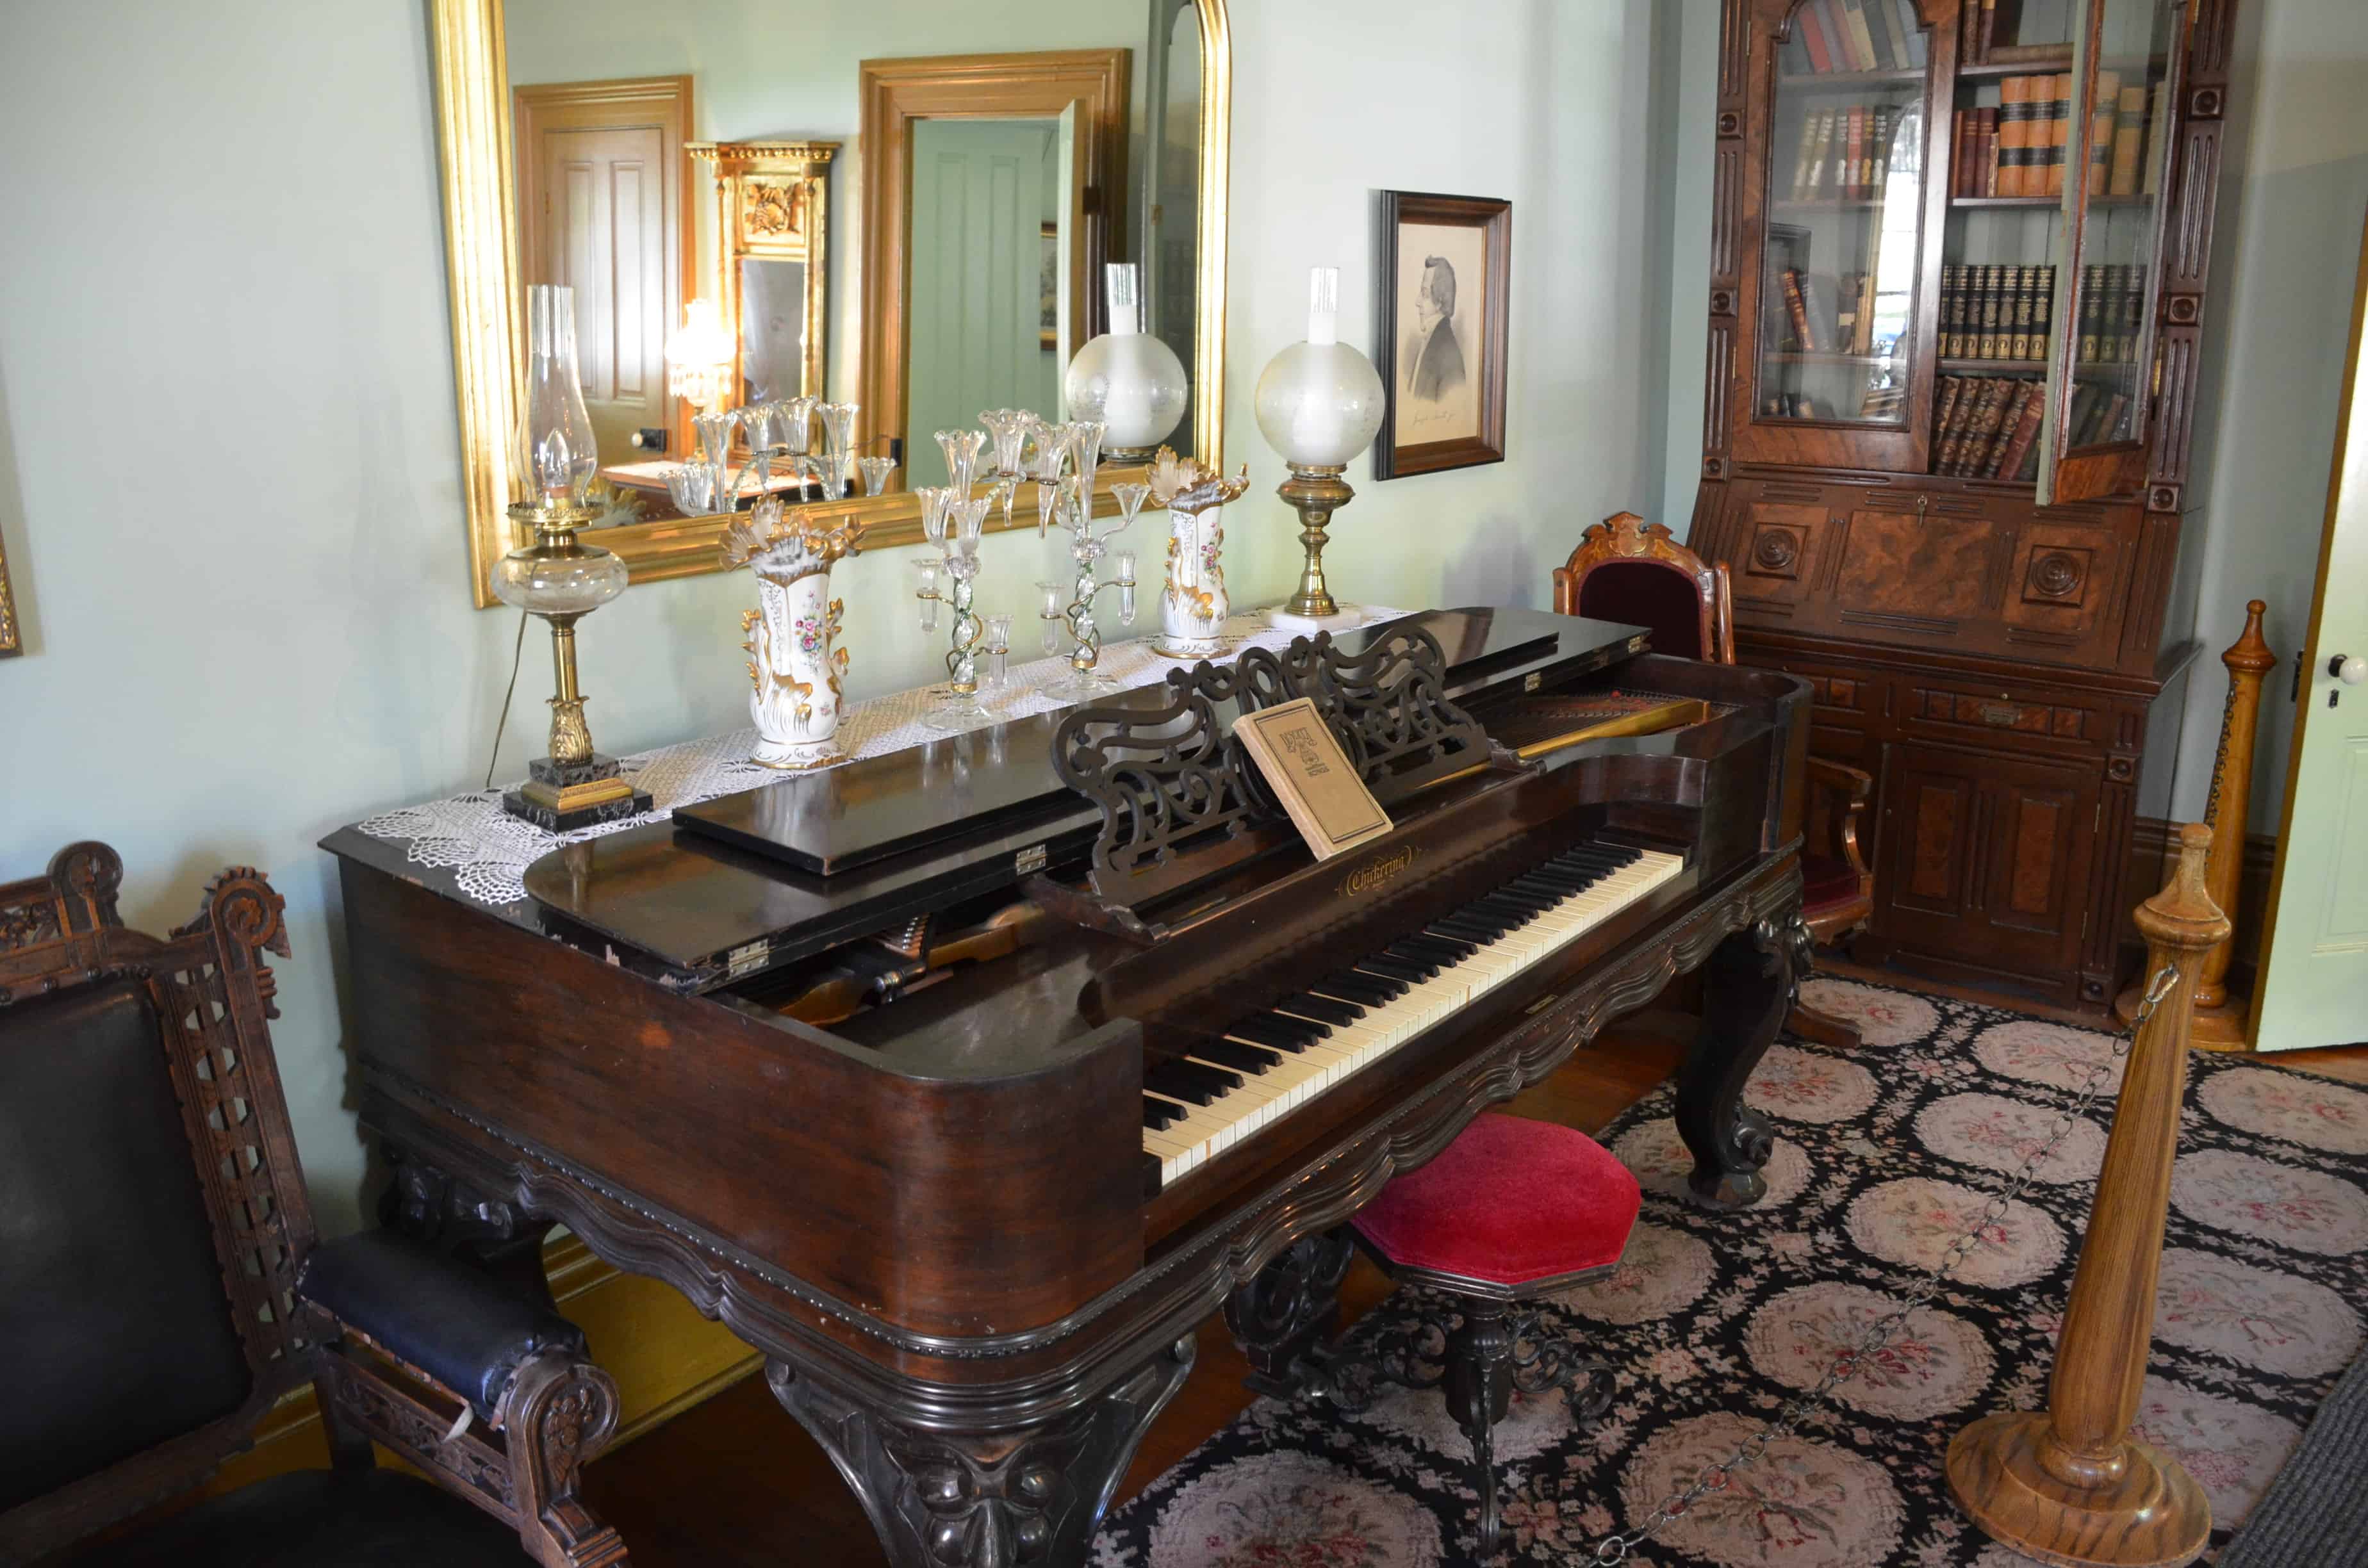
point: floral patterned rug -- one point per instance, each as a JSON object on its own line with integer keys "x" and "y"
{"x": 1713, "y": 1321}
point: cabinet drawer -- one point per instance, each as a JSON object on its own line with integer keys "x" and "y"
{"x": 1847, "y": 696}
{"x": 1967, "y": 714}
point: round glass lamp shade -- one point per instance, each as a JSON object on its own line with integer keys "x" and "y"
{"x": 1319, "y": 403}
{"x": 1132, "y": 383}
{"x": 559, "y": 580}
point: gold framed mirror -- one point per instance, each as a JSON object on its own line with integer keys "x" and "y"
{"x": 743, "y": 102}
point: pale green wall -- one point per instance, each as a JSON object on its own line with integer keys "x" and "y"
{"x": 2285, "y": 252}
{"x": 230, "y": 475}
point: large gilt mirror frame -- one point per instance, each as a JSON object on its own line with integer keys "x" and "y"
{"x": 475, "y": 153}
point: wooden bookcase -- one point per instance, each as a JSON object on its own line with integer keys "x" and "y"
{"x": 1991, "y": 649}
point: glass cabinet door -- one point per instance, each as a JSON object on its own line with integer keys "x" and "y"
{"x": 2102, "y": 371}
{"x": 1835, "y": 317}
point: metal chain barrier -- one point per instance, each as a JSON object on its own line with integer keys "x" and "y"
{"x": 1878, "y": 1334}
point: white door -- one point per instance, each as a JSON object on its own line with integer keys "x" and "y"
{"x": 2313, "y": 987}
{"x": 986, "y": 218}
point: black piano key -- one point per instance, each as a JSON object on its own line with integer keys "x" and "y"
{"x": 1506, "y": 912}
{"x": 1250, "y": 1059}
{"x": 1373, "y": 990}
{"x": 1463, "y": 930}
{"x": 1289, "y": 1034}
{"x": 1417, "y": 953}
{"x": 1159, "y": 1114}
{"x": 1324, "y": 1009}
{"x": 1547, "y": 878}
{"x": 1191, "y": 1082}
{"x": 1397, "y": 969}
{"x": 1433, "y": 946}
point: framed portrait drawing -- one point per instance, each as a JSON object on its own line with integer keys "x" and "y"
{"x": 1445, "y": 288}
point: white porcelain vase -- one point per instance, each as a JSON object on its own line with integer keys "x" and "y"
{"x": 796, "y": 670}
{"x": 1193, "y": 607}
{"x": 794, "y": 665}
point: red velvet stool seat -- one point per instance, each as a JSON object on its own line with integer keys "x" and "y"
{"x": 1512, "y": 1207}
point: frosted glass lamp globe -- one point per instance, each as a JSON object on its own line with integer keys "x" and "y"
{"x": 1127, "y": 379}
{"x": 1319, "y": 402}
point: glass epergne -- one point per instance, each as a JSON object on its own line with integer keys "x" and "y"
{"x": 999, "y": 652}
{"x": 961, "y": 448}
{"x": 954, "y": 525}
{"x": 1074, "y": 509}
{"x": 1009, "y": 429}
{"x": 837, "y": 439}
{"x": 875, "y": 474}
{"x": 1052, "y": 459}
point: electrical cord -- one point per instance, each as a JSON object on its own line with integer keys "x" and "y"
{"x": 518, "y": 654}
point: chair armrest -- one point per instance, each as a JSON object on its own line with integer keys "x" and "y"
{"x": 1847, "y": 791}
{"x": 457, "y": 1325}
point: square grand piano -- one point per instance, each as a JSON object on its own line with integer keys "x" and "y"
{"x": 963, "y": 1082}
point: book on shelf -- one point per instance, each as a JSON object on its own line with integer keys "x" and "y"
{"x": 2012, "y": 156}
{"x": 1861, "y": 33}
{"x": 1831, "y": 37}
{"x": 1996, "y": 310}
{"x": 1793, "y": 406}
{"x": 2100, "y": 132}
{"x": 2129, "y": 138}
{"x": 2018, "y": 447}
{"x": 1796, "y": 311}
{"x": 1882, "y": 404}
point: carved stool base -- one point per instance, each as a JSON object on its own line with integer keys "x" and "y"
{"x": 2155, "y": 1516}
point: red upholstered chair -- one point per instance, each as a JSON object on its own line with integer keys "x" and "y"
{"x": 1512, "y": 1207}
{"x": 1628, "y": 570}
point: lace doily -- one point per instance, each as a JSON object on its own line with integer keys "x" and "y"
{"x": 488, "y": 850}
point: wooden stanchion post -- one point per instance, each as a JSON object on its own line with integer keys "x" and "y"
{"x": 2068, "y": 1485}
{"x": 2220, "y": 1018}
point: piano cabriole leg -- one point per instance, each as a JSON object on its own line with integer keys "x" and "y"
{"x": 942, "y": 1499}
{"x": 1284, "y": 1316}
{"x": 428, "y": 1203}
{"x": 1748, "y": 985}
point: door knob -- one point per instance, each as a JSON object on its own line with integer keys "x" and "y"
{"x": 2349, "y": 668}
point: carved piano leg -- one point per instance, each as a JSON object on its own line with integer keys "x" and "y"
{"x": 1287, "y": 1313}
{"x": 1748, "y": 985}
{"x": 985, "y": 1500}
{"x": 426, "y": 1203}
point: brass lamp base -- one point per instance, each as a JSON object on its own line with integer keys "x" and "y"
{"x": 1315, "y": 493}
{"x": 560, "y": 797}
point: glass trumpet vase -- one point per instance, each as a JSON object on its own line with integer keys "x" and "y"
{"x": 961, "y": 709}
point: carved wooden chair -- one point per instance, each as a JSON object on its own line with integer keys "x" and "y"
{"x": 165, "y": 1287}
{"x": 1628, "y": 570}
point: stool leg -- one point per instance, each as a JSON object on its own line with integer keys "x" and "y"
{"x": 1479, "y": 1393}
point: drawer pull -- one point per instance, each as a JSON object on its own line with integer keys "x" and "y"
{"x": 2003, "y": 716}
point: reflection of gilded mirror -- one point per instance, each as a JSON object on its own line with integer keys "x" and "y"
{"x": 771, "y": 211}
{"x": 10, "y": 641}
{"x": 791, "y": 307}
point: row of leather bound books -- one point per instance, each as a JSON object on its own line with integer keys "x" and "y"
{"x": 1996, "y": 312}
{"x": 1854, "y": 35}
{"x": 1845, "y": 153}
{"x": 1988, "y": 426}
{"x": 2021, "y": 147}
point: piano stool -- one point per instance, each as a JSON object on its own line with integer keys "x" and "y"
{"x": 1512, "y": 1207}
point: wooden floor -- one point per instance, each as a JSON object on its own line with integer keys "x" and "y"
{"x": 735, "y": 1482}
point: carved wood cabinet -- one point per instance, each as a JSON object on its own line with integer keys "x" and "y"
{"x": 1956, "y": 299}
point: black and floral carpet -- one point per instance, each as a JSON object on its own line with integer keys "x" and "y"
{"x": 1885, "y": 1154}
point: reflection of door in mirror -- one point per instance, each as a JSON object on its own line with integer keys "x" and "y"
{"x": 984, "y": 193}
{"x": 600, "y": 201}
{"x": 772, "y": 329}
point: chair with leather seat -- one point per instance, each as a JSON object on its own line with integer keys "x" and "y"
{"x": 1630, "y": 571}
{"x": 165, "y": 1287}
{"x": 1513, "y": 1208}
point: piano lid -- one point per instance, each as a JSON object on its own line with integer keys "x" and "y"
{"x": 755, "y": 879}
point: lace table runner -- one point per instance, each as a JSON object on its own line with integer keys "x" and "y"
{"x": 487, "y": 850}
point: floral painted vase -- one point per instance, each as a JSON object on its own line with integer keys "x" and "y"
{"x": 794, "y": 667}
{"x": 1193, "y": 605}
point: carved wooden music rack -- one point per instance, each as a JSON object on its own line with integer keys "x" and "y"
{"x": 1181, "y": 802}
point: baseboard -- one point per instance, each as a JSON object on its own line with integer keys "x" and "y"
{"x": 2149, "y": 859}
{"x": 665, "y": 1356}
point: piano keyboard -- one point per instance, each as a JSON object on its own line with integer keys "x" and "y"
{"x": 1257, "y": 1068}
